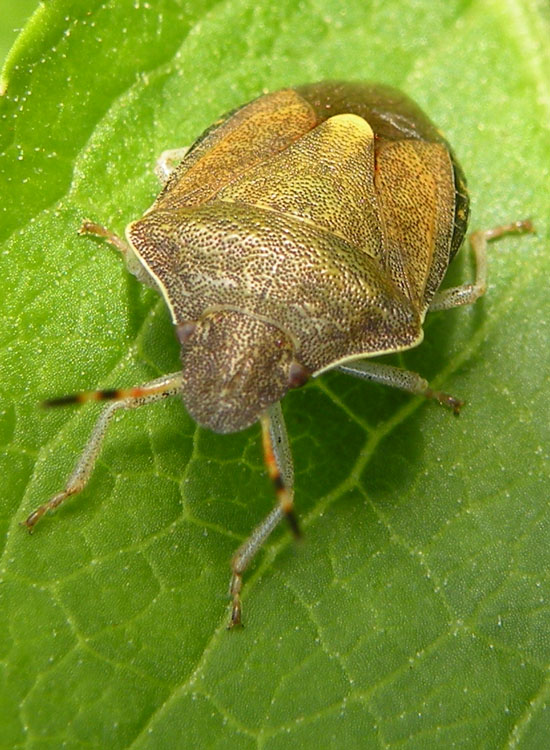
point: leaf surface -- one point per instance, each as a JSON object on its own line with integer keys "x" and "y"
{"x": 415, "y": 613}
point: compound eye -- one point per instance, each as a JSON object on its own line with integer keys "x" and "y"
{"x": 298, "y": 375}
{"x": 185, "y": 331}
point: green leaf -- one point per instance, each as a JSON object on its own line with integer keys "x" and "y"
{"x": 416, "y": 611}
{"x": 14, "y": 15}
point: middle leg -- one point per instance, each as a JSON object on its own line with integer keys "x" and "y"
{"x": 398, "y": 378}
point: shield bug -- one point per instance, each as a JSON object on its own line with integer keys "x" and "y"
{"x": 308, "y": 230}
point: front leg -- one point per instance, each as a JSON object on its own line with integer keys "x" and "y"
{"x": 278, "y": 459}
{"x": 122, "y": 398}
{"x": 130, "y": 259}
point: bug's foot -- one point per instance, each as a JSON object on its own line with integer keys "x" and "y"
{"x": 445, "y": 399}
{"x": 292, "y": 519}
{"x": 32, "y": 519}
{"x": 92, "y": 227}
{"x": 235, "y": 593}
{"x": 235, "y": 619}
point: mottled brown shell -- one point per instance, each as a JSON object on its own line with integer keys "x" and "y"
{"x": 329, "y": 212}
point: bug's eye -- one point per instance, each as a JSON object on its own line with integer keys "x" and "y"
{"x": 184, "y": 331}
{"x": 298, "y": 375}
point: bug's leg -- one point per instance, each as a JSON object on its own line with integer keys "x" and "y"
{"x": 443, "y": 300}
{"x": 468, "y": 293}
{"x": 132, "y": 263}
{"x": 398, "y": 378}
{"x": 127, "y": 398}
{"x": 168, "y": 161}
{"x": 278, "y": 458}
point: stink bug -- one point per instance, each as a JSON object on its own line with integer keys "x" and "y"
{"x": 308, "y": 230}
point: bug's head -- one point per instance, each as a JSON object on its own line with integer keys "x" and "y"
{"x": 234, "y": 367}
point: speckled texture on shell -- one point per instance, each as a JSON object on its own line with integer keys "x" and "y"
{"x": 329, "y": 213}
